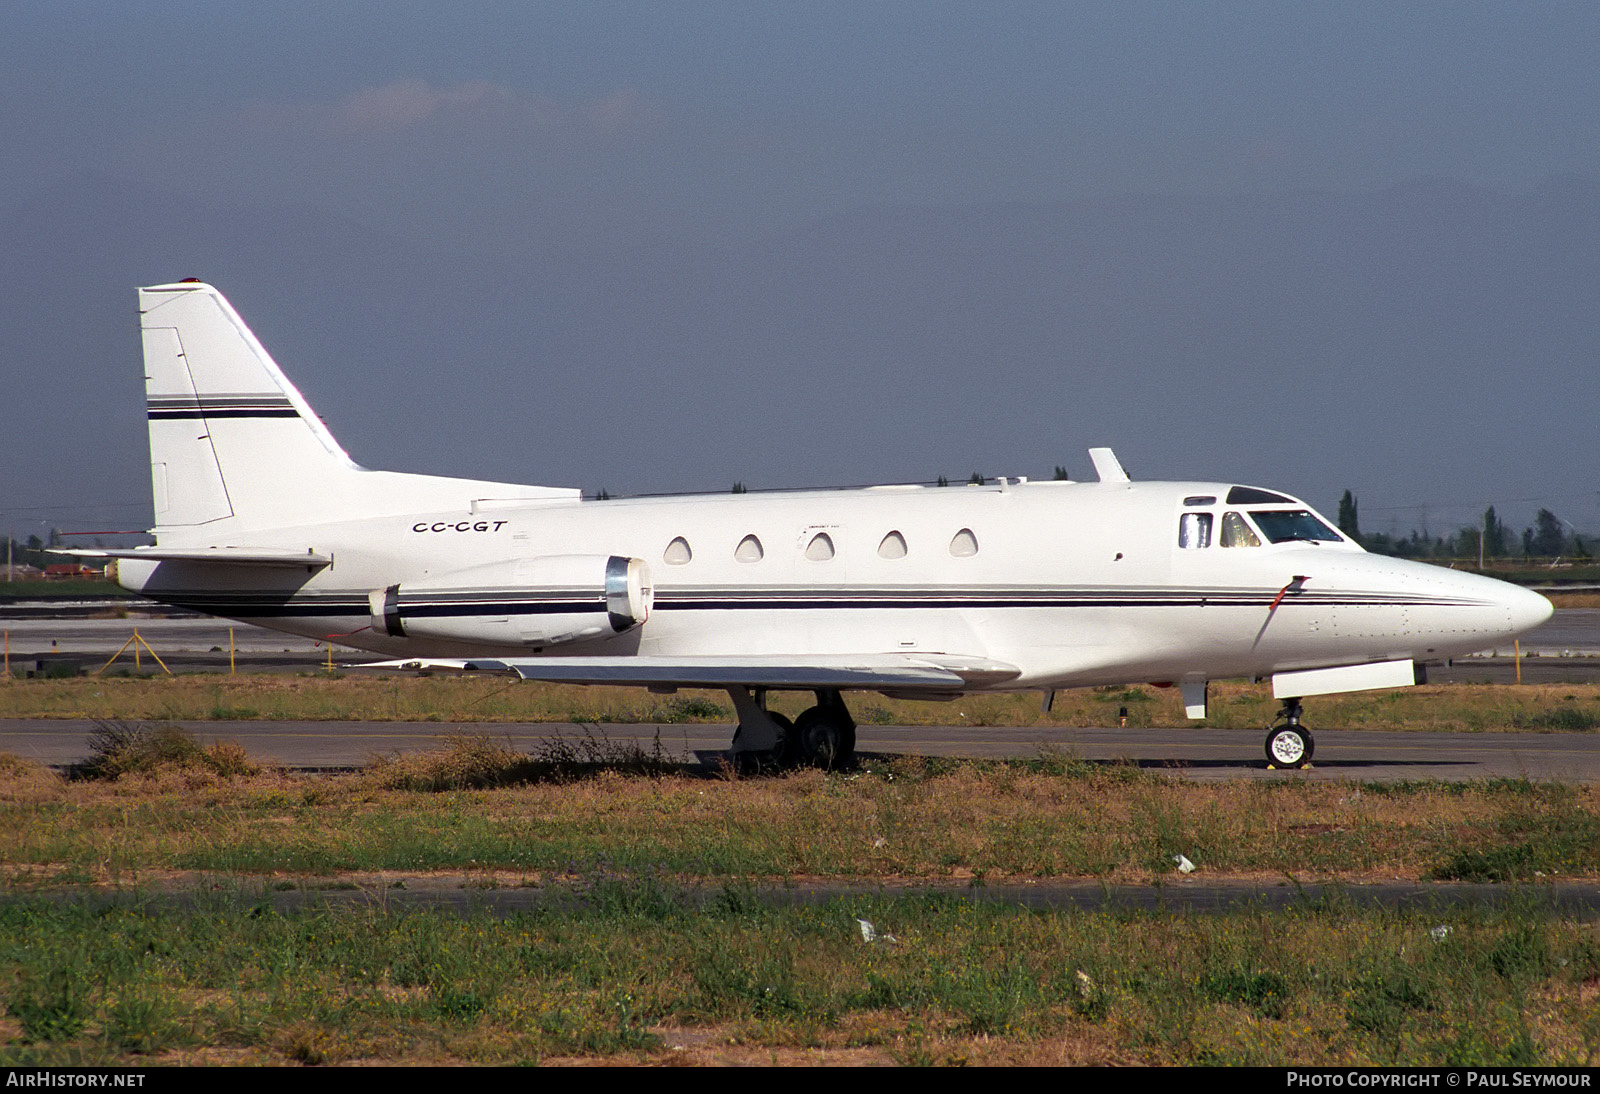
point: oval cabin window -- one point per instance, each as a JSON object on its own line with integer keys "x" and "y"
{"x": 893, "y": 546}
{"x": 964, "y": 544}
{"x": 677, "y": 552}
{"x": 749, "y": 550}
{"x": 820, "y": 549}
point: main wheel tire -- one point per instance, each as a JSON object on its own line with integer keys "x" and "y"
{"x": 823, "y": 739}
{"x": 783, "y": 757}
{"x": 752, "y": 761}
{"x": 1289, "y": 746}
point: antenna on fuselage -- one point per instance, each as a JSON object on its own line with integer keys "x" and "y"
{"x": 1107, "y": 466}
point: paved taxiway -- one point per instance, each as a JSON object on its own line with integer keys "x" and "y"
{"x": 1566, "y": 649}
{"x": 1206, "y": 754}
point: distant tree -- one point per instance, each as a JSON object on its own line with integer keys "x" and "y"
{"x": 1548, "y": 538}
{"x": 1349, "y": 522}
{"x": 1579, "y": 548}
{"x": 1495, "y": 535}
{"x": 1527, "y": 542}
{"x": 738, "y": 488}
{"x": 1061, "y": 474}
{"x": 943, "y": 481}
{"x": 976, "y": 479}
{"x": 603, "y": 495}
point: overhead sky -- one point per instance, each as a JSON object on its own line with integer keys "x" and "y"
{"x": 586, "y": 134}
{"x": 591, "y": 122}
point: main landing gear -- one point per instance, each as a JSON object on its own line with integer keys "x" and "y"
{"x": 1289, "y": 743}
{"x": 823, "y": 736}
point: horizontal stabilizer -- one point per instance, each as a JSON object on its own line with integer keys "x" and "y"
{"x": 871, "y": 671}
{"x": 228, "y": 556}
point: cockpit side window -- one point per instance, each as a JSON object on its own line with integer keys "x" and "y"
{"x": 1236, "y": 533}
{"x": 1194, "y": 530}
{"x": 1286, "y": 525}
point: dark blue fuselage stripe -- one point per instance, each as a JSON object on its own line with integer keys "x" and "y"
{"x": 267, "y": 606}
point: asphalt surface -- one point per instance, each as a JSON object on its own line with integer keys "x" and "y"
{"x": 1200, "y": 754}
{"x": 1567, "y": 649}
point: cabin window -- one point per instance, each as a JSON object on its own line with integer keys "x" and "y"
{"x": 749, "y": 550}
{"x": 677, "y": 552}
{"x": 1194, "y": 530}
{"x": 1236, "y": 533}
{"x": 1200, "y": 499}
{"x": 893, "y": 546}
{"x": 820, "y": 549}
{"x": 964, "y": 544}
{"x": 1285, "y": 525}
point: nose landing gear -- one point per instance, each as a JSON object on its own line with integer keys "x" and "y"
{"x": 1289, "y": 743}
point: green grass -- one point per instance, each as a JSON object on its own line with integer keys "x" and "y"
{"x": 635, "y": 970}
{"x": 281, "y": 938}
{"x": 164, "y": 803}
{"x": 61, "y": 590}
{"x": 1549, "y": 833}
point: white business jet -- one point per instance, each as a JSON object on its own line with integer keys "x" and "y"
{"x": 911, "y": 591}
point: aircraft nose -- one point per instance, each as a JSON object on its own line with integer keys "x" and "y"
{"x": 1526, "y": 608}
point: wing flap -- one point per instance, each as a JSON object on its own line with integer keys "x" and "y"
{"x": 937, "y": 672}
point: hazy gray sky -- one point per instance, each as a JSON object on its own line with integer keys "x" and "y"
{"x": 583, "y": 130}
{"x": 588, "y": 123}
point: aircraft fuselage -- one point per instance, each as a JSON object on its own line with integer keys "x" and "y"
{"x": 1073, "y": 583}
{"x": 262, "y": 517}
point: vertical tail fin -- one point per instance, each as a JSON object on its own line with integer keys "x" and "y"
{"x": 233, "y": 444}
{"x": 217, "y": 399}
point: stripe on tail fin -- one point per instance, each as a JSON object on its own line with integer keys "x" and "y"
{"x": 234, "y": 445}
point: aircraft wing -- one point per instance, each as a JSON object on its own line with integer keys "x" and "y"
{"x": 941, "y": 672}
{"x": 233, "y": 556}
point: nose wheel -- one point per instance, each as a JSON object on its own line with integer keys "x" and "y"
{"x": 1289, "y": 743}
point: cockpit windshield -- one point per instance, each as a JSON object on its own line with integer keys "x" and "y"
{"x": 1289, "y": 525}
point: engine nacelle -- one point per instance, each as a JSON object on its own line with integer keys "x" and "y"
{"x": 533, "y": 602}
